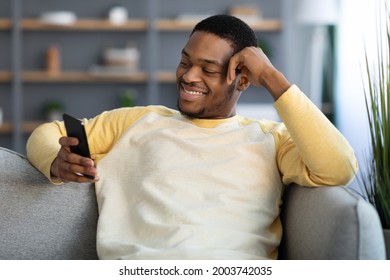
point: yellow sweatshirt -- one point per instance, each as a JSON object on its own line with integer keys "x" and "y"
{"x": 179, "y": 188}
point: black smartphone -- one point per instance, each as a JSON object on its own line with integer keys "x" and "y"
{"x": 75, "y": 128}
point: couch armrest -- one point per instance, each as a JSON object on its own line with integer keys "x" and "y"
{"x": 41, "y": 221}
{"x": 329, "y": 223}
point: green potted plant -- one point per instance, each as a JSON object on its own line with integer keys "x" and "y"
{"x": 53, "y": 110}
{"x": 376, "y": 178}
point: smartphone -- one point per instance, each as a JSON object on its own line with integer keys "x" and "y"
{"x": 75, "y": 128}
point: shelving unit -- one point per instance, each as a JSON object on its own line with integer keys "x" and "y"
{"x": 149, "y": 28}
{"x": 172, "y": 25}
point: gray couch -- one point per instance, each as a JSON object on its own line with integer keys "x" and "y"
{"x": 42, "y": 221}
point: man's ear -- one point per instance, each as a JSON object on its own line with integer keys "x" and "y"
{"x": 242, "y": 82}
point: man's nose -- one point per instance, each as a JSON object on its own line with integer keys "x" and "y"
{"x": 192, "y": 74}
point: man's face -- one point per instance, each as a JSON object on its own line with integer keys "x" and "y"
{"x": 201, "y": 78}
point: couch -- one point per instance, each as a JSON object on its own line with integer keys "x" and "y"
{"x": 42, "y": 221}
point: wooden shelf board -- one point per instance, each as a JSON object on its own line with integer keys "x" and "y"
{"x": 131, "y": 25}
{"x": 175, "y": 24}
{"x": 166, "y": 76}
{"x": 27, "y": 127}
{"x": 185, "y": 25}
{"x": 79, "y": 77}
{"x": 5, "y": 24}
{"x": 5, "y": 76}
{"x": 86, "y": 25}
{"x": 267, "y": 25}
{"x": 74, "y": 76}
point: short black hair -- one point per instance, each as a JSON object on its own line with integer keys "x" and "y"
{"x": 230, "y": 28}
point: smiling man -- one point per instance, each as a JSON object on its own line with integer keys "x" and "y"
{"x": 201, "y": 182}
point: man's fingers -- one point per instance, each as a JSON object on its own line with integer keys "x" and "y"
{"x": 70, "y": 166}
{"x": 68, "y": 171}
{"x": 68, "y": 141}
{"x": 76, "y": 177}
{"x": 74, "y": 163}
{"x": 233, "y": 64}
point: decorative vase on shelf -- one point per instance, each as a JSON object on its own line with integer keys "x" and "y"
{"x": 53, "y": 60}
{"x": 118, "y": 15}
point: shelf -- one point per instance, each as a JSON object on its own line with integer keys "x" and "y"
{"x": 175, "y": 24}
{"x": 5, "y": 24}
{"x": 267, "y": 25}
{"x": 187, "y": 25}
{"x": 131, "y": 25}
{"x": 79, "y": 25}
{"x": 5, "y": 77}
{"x": 166, "y": 76}
{"x": 80, "y": 77}
{"x": 27, "y": 127}
{"x": 75, "y": 77}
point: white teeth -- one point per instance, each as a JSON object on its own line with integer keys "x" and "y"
{"x": 194, "y": 92}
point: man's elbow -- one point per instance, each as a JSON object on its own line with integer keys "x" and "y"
{"x": 344, "y": 173}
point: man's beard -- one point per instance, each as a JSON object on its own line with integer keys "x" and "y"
{"x": 201, "y": 112}
{"x": 190, "y": 115}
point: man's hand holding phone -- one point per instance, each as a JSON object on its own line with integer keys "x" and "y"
{"x": 69, "y": 166}
{"x": 73, "y": 162}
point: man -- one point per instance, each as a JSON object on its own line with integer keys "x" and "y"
{"x": 201, "y": 183}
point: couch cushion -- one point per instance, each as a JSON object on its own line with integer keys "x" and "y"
{"x": 41, "y": 221}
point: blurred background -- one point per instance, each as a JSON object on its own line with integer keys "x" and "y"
{"x": 85, "y": 57}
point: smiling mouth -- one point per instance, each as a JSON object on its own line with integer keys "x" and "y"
{"x": 192, "y": 90}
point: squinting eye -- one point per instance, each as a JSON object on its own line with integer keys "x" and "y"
{"x": 182, "y": 63}
{"x": 210, "y": 72}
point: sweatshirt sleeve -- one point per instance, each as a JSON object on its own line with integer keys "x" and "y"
{"x": 102, "y": 132}
{"x": 311, "y": 152}
{"x": 43, "y": 146}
